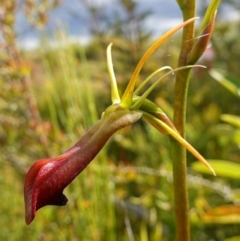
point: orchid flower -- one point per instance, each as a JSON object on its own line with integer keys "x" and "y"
{"x": 47, "y": 178}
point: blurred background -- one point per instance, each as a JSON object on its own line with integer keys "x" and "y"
{"x": 54, "y": 86}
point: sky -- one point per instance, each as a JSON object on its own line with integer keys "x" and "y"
{"x": 72, "y": 17}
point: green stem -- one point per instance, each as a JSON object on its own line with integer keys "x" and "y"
{"x": 178, "y": 151}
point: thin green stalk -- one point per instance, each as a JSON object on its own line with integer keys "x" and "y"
{"x": 178, "y": 151}
{"x": 145, "y": 82}
{"x": 156, "y": 83}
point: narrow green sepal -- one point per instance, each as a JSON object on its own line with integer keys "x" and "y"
{"x": 154, "y": 110}
{"x": 114, "y": 89}
{"x": 155, "y": 125}
{"x": 147, "y": 105}
{"x": 160, "y": 125}
{"x": 128, "y": 93}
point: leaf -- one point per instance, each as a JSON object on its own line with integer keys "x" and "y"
{"x": 226, "y": 219}
{"x": 231, "y": 119}
{"x": 225, "y": 210}
{"x": 222, "y": 168}
{"x": 235, "y": 238}
{"x": 229, "y": 83}
{"x": 224, "y": 214}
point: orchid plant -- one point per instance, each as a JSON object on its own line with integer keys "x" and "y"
{"x": 47, "y": 178}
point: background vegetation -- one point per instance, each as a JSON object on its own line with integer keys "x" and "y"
{"x": 50, "y": 96}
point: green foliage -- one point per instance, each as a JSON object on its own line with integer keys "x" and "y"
{"x": 130, "y": 180}
{"x": 227, "y": 81}
{"x": 227, "y": 47}
{"x": 127, "y": 190}
{"x": 221, "y": 167}
{"x": 121, "y": 184}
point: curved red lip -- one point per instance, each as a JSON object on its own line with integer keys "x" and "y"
{"x": 47, "y": 178}
{"x": 45, "y": 182}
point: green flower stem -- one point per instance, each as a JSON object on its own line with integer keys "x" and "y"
{"x": 179, "y": 159}
{"x": 181, "y": 203}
